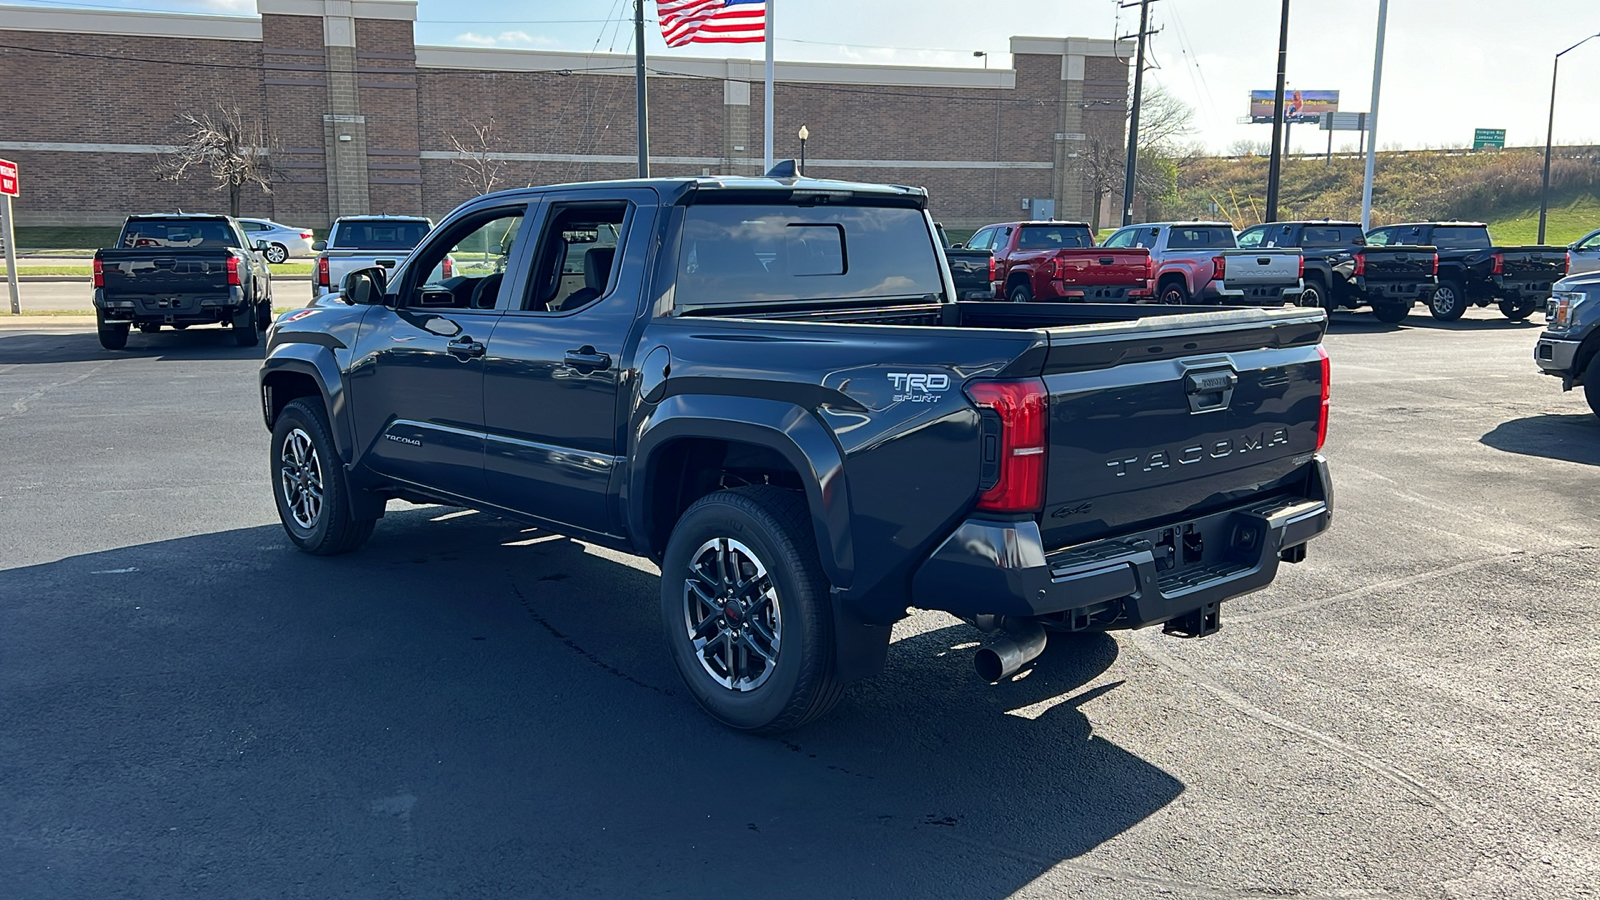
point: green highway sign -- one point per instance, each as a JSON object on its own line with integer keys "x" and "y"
{"x": 1488, "y": 137}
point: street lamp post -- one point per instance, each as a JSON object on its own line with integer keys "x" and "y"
{"x": 1550, "y": 133}
{"x": 984, "y": 54}
{"x": 805, "y": 134}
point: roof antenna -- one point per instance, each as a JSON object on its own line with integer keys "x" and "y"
{"x": 784, "y": 168}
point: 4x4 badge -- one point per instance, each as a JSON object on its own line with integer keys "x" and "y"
{"x": 1068, "y": 511}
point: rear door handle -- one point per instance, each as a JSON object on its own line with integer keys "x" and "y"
{"x": 588, "y": 359}
{"x": 465, "y": 348}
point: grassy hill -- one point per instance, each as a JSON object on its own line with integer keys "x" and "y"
{"x": 1501, "y": 188}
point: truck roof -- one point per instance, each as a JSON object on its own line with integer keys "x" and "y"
{"x": 1340, "y": 222}
{"x": 1045, "y": 222}
{"x": 385, "y": 217}
{"x": 1446, "y": 222}
{"x": 677, "y": 188}
{"x": 207, "y": 217}
{"x": 1180, "y": 223}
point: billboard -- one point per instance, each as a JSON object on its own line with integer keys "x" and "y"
{"x": 1299, "y": 106}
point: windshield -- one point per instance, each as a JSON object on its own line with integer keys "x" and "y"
{"x": 739, "y": 254}
{"x": 187, "y": 234}
{"x": 1053, "y": 237}
{"x": 378, "y": 235}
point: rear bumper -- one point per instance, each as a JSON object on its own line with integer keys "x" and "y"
{"x": 1130, "y": 581}
{"x": 179, "y": 309}
{"x": 1519, "y": 290}
{"x": 1369, "y": 292}
{"x": 1255, "y": 294}
{"x": 1089, "y": 293}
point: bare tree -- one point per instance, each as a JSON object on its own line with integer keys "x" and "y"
{"x": 1164, "y": 120}
{"x": 232, "y": 150}
{"x": 479, "y": 158}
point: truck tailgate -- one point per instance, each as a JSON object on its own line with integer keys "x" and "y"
{"x": 164, "y": 272}
{"x": 1537, "y": 263}
{"x": 1102, "y": 267}
{"x": 1261, "y": 267}
{"x": 1172, "y": 416}
{"x": 1395, "y": 263}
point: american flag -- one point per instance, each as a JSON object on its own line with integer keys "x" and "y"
{"x": 712, "y": 21}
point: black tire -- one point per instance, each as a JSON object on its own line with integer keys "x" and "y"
{"x": 1173, "y": 293}
{"x": 1591, "y": 384}
{"x": 772, "y": 526}
{"x": 1316, "y": 294}
{"x": 302, "y": 441}
{"x": 1391, "y": 313}
{"x": 246, "y": 332}
{"x": 1447, "y": 303}
{"x": 1516, "y": 311}
{"x": 276, "y": 253}
{"x": 113, "y": 335}
{"x": 1021, "y": 292}
{"x": 149, "y": 327}
{"x": 264, "y": 315}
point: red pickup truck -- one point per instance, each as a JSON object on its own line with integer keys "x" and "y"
{"x": 1059, "y": 261}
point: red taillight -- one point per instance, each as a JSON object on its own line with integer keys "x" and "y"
{"x": 1565, "y": 267}
{"x": 1499, "y": 264}
{"x": 1058, "y": 268}
{"x": 991, "y": 268}
{"x": 1013, "y": 443}
{"x": 99, "y": 274}
{"x": 1302, "y": 274}
{"x": 322, "y": 272}
{"x": 448, "y": 266}
{"x": 1149, "y": 270}
{"x": 306, "y": 235}
{"x": 1322, "y": 416}
{"x": 1219, "y": 268}
{"x": 1436, "y": 264}
{"x": 1361, "y": 265}
{"x": 233, "y": 271}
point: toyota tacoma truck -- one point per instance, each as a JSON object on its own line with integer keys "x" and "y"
{"x": 1342, "y": 272}
{"x": 1200, "y": 262}
{"x": 1474, "y": 272}
{"x": 361, "y": 242}
{"x": 766, "y": 386}
{"x": 1059, "y": 261}
{"x": 972, "y": 269}
{"x": 177, "y": 271}
{"x": 1569, "y": 348}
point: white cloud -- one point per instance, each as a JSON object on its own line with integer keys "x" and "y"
{"x": 505, "y": 39}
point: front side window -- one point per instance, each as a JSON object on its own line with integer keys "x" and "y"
{"x": 980, "y": 241}
{"x": 739, "y": 254}
{"x": 1121, "y": 240}
{"x": 1380, "y": 238}
{"x": 1592, "y": 242}
{"x": 1251, "y": 238}
{"x": 467, "y": 268}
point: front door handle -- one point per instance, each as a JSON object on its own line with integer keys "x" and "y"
{"x": 465, "y": 348}
{"x": 587, "y": 359}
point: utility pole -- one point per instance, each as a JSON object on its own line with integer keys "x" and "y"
{"x": 1550, "y": 133}
{"x": 1372, "y": 119}
{"x": 641, "y": 100}
{"x": 1276, "y": 164}
{"x": 1133, "y": 114}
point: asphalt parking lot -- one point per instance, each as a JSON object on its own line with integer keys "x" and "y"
{"x": 467, "y": 708}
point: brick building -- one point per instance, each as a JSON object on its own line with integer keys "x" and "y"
{"x": 362, "y": 119}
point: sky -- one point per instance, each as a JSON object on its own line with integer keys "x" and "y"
{"x": 1449, "y": 66}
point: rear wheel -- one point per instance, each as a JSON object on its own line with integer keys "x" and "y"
{"x": 1021, "y": 292}
{"x": 1517, "y": 310}
{"x": 1315, "y": 294}
{"x": 1447, "y": 303}
{"x": 113, "y": 335}
{"x": 246, "y": 332}
{"x": 308, "y": 483}
{"x": 1391, "y": 313}
{"x": 1591, "y": 384}
{"x": 276, "y": 253}
{"x": 1173, "y": 293}
{"x": 746, "y": 609}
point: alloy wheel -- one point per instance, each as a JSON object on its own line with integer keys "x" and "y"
{"x": 732, "y": 614}
{"x": 301, "y": 478}
{"x": 1444, "y": 300}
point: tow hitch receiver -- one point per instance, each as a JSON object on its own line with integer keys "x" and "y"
{"x": 1197, "y": 623}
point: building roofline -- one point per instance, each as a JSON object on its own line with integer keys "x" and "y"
{"x": 130, "y": 22}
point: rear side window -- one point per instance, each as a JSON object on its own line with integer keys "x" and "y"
{"x": 178, "y": 234}
{"x": 739, "y": 254}
{"x": 1053, "y": 237}
{"x": 1330, "y": 235}
{"x": 1461, "y": 237}
{"x": 378, "y": 235}
{"x": 1190, "y": 237}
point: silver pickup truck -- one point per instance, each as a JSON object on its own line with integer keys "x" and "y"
{"x": 362, "y": 242}
{"x": 1200, "y": 262}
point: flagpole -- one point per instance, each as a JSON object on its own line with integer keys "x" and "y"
{"x": 767, "y": 156}
{"x": 641, "y": 101}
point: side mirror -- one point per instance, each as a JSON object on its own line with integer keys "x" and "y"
{"x": 261, "y": 246}
{"x": 364, "y": 286}
{"x": 319, "y": 246}
{"x": 958, "y": 246}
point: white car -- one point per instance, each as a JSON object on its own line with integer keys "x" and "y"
{"x": 283, "y": 241}
{"x": 1585, "y": 254}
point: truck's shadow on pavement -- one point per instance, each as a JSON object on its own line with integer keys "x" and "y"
{"x": 1574, "y": 438}
{"x": 469, "y": 708}
{"x": 189, "y": 345}
{"x": 1365, "y": 323}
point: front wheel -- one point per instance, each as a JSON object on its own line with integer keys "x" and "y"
{"x": 746, "y": 609}
{"x": 1448, "y": 303}
{"x": 1591, "y": 385}
{"x": 1516, "y": 310}
{"x": 1391, "y": 313}
{"x": 277, "y": 253}
{"x": 308, "y": 484}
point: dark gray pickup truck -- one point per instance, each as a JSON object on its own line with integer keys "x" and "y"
{"x": 1569, "y": 348}
{"x": 767, "y": 386}
{"x": 181, "y": 270}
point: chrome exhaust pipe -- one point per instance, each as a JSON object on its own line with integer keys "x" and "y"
{"x": 1021, "y": 642}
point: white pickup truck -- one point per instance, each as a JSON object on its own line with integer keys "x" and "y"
{"x": 361, "y": 242}
{"x": 1200, "y": 262}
